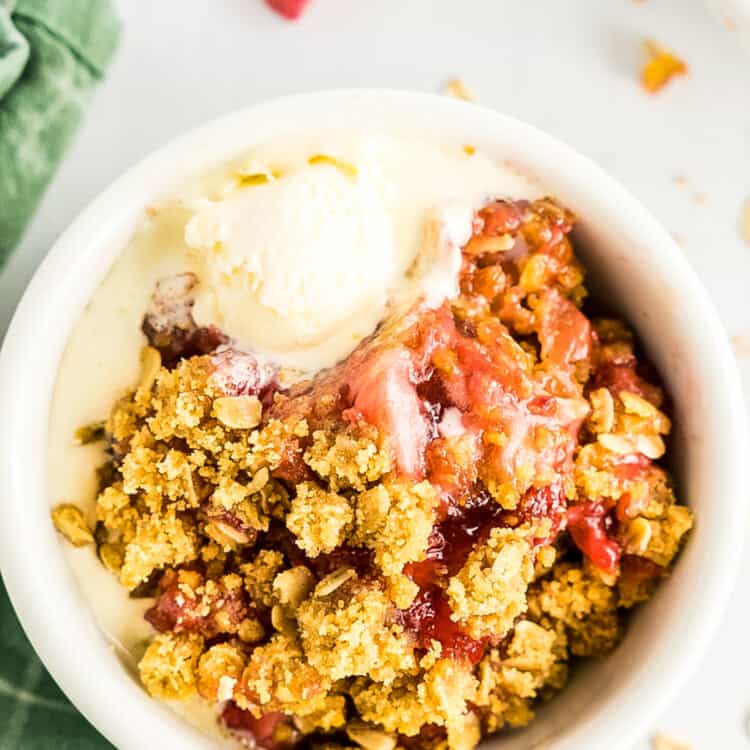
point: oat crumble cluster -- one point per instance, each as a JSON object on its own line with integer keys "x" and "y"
{"x": 410, "y": 549}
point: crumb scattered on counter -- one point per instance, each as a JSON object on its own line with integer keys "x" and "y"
{"x": 662, "y": 741}
{"x": 741, "y": 345}
{"x": 661, "y": 67}
{"x": 457, "y": 89}
{"x": 745, "y": 222}
{"x": 683, "y": 181}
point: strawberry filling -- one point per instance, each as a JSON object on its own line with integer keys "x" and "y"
{"x": 444, "y": 492}
{"x": 590, "y": 525}
{"x": 384, "y": 395}
{"x": 564, "y": 331}
{"x": 635, "y": 569}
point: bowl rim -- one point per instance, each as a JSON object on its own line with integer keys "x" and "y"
{"x": 38, "y": 584}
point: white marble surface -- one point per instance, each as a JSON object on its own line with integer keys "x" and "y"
{"x": 568, "y": 67}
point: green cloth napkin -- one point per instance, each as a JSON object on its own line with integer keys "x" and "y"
{"x": 52, "y": 52}
{"x": 34, "y": 713}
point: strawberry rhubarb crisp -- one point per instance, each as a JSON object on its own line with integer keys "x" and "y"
{"x": 408, "y": 549}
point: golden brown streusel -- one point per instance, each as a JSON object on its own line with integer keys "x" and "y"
{"x": 112, "y": 557}
{"x": 509, "y": 683}
{"x": 370, "y": 738}
{"x": 583, "y": 604}
{"x": 395, "y": 519}
{"x": 318, "y": 519}
{"x": 219, "y": 669}
{"x": 272, "y": 442}
{"x": 415, "y": 543}
{"x": 260, "y": 574}
{"x": 71, "y": 523}
{"x": 238, "y": 412}
{"x": 168, "y": 668}
{"x": 666, "y": 534}
{"x": 489, "y": 592}
{"x": 293, "y": 586}
{"x": 159, "y": 541}
{"x": 90, "y": 433}
{"x": 278, "y": 678}
{"x": 115, "y": 511}
{"x": 251, "y": 630}
{"x": 439, "y": 696}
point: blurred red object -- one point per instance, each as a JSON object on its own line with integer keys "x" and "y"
{"x": 291, "y": 9}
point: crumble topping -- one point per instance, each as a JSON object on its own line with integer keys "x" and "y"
{"x": 71, "y": 523}
{"x": 509, "y": 683}
{"x": 259, "y": 576}
{"x": 346, "y": 460}
{"x": 159, "y": 540}
{"x": 318, "y": 519}
{"x": 347, "y": 634}
{"x": 395, "y": 520}
{"x": 219, "y": 669}
{"x": 168, "y": 668}
{"x": 489, "y": 592}
{"x": 582, "y": 605}
{"x": 439, "y": 696}
{"x": 411, "y": 548}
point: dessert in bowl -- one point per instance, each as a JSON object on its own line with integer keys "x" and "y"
{"x": 363, "y": 465}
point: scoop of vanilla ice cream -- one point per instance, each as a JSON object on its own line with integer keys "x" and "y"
{"x": 303, "y": 261}
{"x": 295, "y": 260}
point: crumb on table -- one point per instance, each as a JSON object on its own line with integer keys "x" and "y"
{"x": 663, "y": 741}
{"x": 661, "y": 67}
{"x": 745, "y": 222}
{"x": 456, "y": 88}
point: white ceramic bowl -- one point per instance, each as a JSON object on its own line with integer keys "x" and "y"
{"x": 634, "y": 265}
